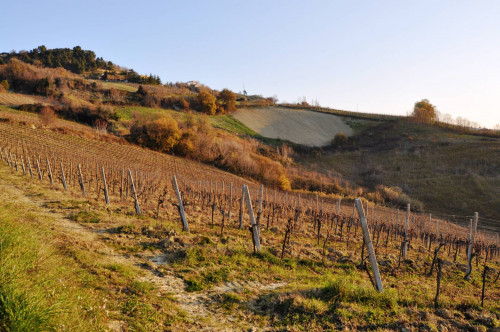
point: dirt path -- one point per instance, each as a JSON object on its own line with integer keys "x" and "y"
{"x": 195, "y": 304}
{"x": 298, "y": 126}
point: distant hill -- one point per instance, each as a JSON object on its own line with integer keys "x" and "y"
{"x": 75, "y": 60}
{"x": 79, "y": 61}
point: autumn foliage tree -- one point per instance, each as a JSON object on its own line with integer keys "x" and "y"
{"x": 424, "y": 112}
{"x": 207, "y": 102}
{"x": 161, "y": 134}
{"x": 227, "y": 101}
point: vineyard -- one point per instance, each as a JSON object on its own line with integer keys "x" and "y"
{"x": 18, "y": 99}
{"x": 390, "y": 247}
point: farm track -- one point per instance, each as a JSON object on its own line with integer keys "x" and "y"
{"x": 204, "y": 316}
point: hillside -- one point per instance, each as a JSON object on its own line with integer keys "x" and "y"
{"x": 446, "y": 169}
{"x": 449, "y": 172}
{"x": 109, "y": 268}
{"x": 174, "y": 207}
{"x": 294, "y": 125}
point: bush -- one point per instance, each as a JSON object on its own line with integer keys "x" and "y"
{"x": 162, "y": 134}
{"x": 4, "y": 85}
{"x": 396, "y": 196}
{"x": 184, "y": 104}
{"x": 185, "y": 145}
{"x": 207, "y": 102}
{"x": 47, "y": 116}
{"x": 284, "y": 183}
{"x": 227, "y": 101}
{"x": 340, "y": 140}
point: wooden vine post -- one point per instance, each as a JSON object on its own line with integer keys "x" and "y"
{"x": 438, "y": 282}
{"x": 105, "y": 184}
{"x": 428, "y": 245}
{"x": 50, "y": 172}
{"x": 259, "y": 211}
{"x": 471, "y": 246}
{"x": 407, "y": 222}
{"x": 22, "y": 165}
{"x": 254, "y": 228}
{"x": 230, "y": 202}
{"x": 29, "y": 167}
{"x": 82, "y": 184}
{"x": 371, "y": 252}
{"x": 185, "y": 225}
{"x": 242, "y": 203}
{"x": 63, "y": 177}
{"x": 38, "y": 170}
{"x": 397, "y": 224}
{"x": 121, "y": 185}
{"x": 132, "y": 187}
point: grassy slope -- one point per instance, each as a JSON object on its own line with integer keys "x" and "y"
{"x": 55, "y": 276}
{"x": 450, "y": 172}
{"x": 229, "y": 123}
{"x": 129, "y": 87}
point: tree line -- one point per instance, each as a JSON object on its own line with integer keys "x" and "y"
{"x": 75, "y": 60}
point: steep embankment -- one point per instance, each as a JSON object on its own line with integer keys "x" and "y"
{"x": 295, "y": 125}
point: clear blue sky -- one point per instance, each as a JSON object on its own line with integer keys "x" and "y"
{"x": 375, "y": 56}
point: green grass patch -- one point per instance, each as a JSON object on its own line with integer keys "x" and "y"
{"x": 37, "y": 292}
{"x": 126, "y": 113}
{"x": 119, "y": 86}
{"x": 85, "y": 217}
{"x": 229, "y": 123}
{"x": 141, "y": 287}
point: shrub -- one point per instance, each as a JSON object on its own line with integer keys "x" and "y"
{"x": 207, "y": 102}
{"x": 184, "y": 104}
{"x": 116, "y": 96}
{"x": 4, "y": 85}
{"x": 284, "y": 183}
{"x": 142, "y": 91}
{"x": 396, "y": 196}
{"x": 44, "y": 87}
{"x": 227, "y": 101}
{"x": 185, "y": 145}
{"x": 340, "y": 140}
{"x": 162, "y": 134}
{"x": 47, "y": 116}
{"x": 151, "y": 101}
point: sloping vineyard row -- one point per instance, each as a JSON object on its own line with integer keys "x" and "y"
{"x": 123, "y": 173}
